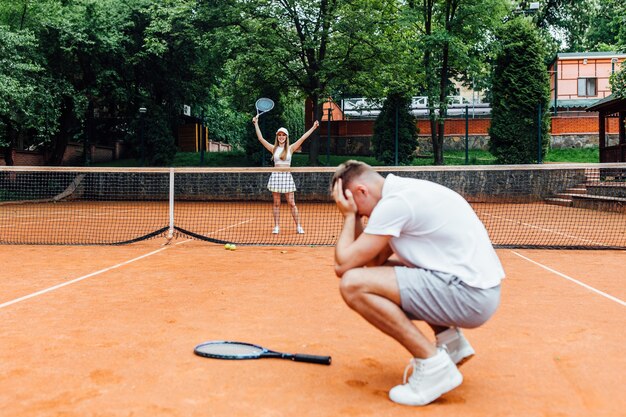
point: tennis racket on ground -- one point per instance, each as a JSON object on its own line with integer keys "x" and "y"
{"x": 263, "y": 105}
{"x": 221, "y": 349}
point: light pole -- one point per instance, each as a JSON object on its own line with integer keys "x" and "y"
{"x": 202, "y": 138}
{"x": 142, "y": 112}
{"x": 330, "y": 117}
{"x": 395, "y": 137}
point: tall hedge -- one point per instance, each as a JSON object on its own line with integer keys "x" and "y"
{"x": 384, "y": 140}
{"x": 152, "y": 138}
{"x": 520, "y": 85}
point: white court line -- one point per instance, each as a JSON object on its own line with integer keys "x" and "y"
{"x": 543, "y": 229}
{"x": 55, "y": 287}
{"x": 575, "y": 281}
{"x": 232, "y": 225}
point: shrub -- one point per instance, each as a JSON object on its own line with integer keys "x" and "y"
{"x": 383, "y": 140}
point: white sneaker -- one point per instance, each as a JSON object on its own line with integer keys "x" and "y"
{"x": 456, "y": 344}
{"x": 430, "y": 379}
{"x": 299, "y": 230}
{"x": 276, "y": 230}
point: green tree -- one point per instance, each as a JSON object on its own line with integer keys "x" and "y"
{"x": 520, "y": 86}
{"x": 83, "y": 42}
{"x": 607, "y": 18}
{"x": 312, "y": 46}
{"x": 395, "y": 116}
{"x": 577, "y": 25}
{"x": 102, "y": 60}
{"x": 29, "y": 97}
{"x": 453, "y": 36}
{"x": 618, "y": 83}
{"x": 618, "y": 79}
{"x": 225, "y": 123}
{"x": 564, "y": 22}
{"x": 151, "y": 138}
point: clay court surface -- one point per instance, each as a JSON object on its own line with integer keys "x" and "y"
{"x": 118, "y": 338}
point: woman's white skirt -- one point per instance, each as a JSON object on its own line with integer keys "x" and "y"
{"x": 281, "y": 182}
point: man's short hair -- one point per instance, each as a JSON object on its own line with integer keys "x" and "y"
{"x": 348, "y": 171}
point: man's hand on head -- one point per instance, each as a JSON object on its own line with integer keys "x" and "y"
{"x": 344, "y": 199}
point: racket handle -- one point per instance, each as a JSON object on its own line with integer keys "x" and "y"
{"x": 322, "y": 360}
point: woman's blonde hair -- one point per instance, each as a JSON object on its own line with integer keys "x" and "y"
{"x": 283, "y": 154}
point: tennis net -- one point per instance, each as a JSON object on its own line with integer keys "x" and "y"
{"x": 534, "y": 206}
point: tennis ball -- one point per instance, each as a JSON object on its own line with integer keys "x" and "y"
{"x": 227, "y": 246}
{"x": 233, "y": 247}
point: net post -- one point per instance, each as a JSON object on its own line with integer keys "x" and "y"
{"x": 539, "y": 134}
{"x": 170, "y": 231}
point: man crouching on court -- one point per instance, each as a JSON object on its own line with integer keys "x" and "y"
{"x": 445, "y": 271}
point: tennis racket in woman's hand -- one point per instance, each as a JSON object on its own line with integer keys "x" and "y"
{"x": 263, "y": 105}
{"x": 222, "y": 349}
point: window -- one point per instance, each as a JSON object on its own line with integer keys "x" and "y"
{"x": 586, "y": 87}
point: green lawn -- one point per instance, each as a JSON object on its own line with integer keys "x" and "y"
{"x": 573, "y": 155}
{"x": 475, "y": 157}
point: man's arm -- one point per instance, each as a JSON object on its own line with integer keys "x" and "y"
{"x": 383, "y": 257}
{"x": 366, "y": 250}
{"x": 354, "y": 248}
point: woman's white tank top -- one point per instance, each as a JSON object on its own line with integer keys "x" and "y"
{"x": 279, "y": 162}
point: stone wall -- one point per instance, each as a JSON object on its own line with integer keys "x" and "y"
{"x": 476, "y": 185}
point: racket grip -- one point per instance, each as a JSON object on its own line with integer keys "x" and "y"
{"x": 322, "y": 360}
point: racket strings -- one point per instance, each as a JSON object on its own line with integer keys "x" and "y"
{"x": 230, "y": 349}
{"x": 264, "y": 105}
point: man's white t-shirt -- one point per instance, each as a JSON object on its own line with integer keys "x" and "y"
{"x": 434, "y": 228}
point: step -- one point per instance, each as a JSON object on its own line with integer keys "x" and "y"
{"x": 602, "y": 198}
{"x": 599, "y": 202}
{"x": 559, "y": 202}
{"x": 576, "y": 190}
{"x": 568, "y": 196}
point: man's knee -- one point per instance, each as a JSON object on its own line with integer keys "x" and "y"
{"x": 351, "y": 285}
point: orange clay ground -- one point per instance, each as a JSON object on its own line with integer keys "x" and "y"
{"x": 120, "y": 342}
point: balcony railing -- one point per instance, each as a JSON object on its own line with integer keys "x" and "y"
{"x": 363, "y": 108}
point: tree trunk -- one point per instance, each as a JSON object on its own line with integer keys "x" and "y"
{"x": 428, "y": 10}
{"x": 60, "y": 140}
{"x": 314, "y": 148}
{"x": 9, "y": 149}
{"x": 443, "y": 104}
{"x": 8, "y": 156}
{"x": 439, "y": 140}
{"x": 433, "y": 135}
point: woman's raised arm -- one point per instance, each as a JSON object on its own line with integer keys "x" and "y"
{"x": 259, "y": 135}
{"x": 296, "y": 145}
